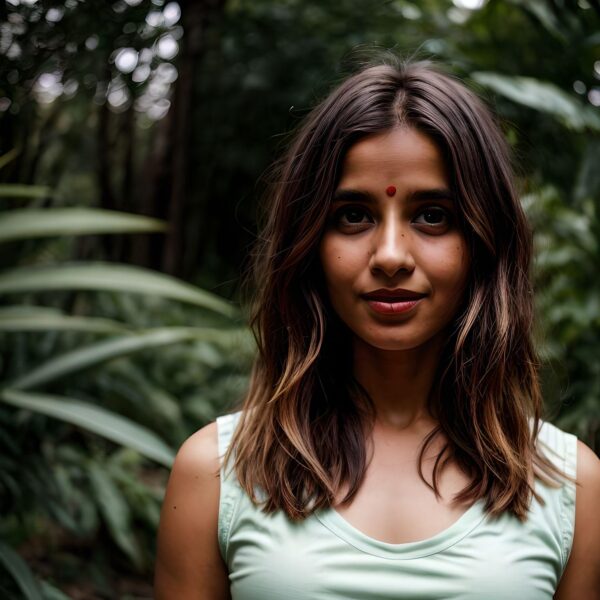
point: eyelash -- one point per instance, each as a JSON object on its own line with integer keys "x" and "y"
{"x": 344, "y": 210}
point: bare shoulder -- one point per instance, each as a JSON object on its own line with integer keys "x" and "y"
{"x": 581, "y": 578}
{"x": 194, "y": 478}
{"x": 588, "y": 465}
{"x": 199, "y": 454}
{"x": 188, "y": 558}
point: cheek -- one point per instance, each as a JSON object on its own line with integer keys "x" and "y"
{"x": 340, "y": 261}
{"x": 449, "y": 265}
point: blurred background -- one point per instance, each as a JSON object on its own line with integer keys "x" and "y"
{"x": 134, "y": 138}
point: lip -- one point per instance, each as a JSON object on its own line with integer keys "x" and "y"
{"x": 392, "y": 302}
{"x": 398, "y": 295}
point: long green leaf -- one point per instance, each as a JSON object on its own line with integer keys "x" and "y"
{"x": 9, "y": 156}
{"x": 98, "y": 420}
{"x": 18, "y": 190}
{"x": 159, "y": 401}
{"x": 52, "y": 593}
{"x": 543, "y": 96}
{"x": 20, "y": 572}
{"x": 115, "y": 510}
{"x": 94, "y": 354}
{"x": 47, "y": 222}
{"x": 106, "y": 276}
{"x": 45, "y": 322}
{"x": 541, "y": 10}
{"x": 27, "y": 310}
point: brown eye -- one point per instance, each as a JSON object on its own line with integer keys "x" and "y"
{"x": 434, "y": 216}
{"x": 352, "y": 215}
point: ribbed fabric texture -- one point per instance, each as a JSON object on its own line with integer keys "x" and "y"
{"x": 325, "y": 558}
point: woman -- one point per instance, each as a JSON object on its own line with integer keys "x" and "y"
{"x": 390, "y": 444}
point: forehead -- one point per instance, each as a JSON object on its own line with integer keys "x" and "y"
{"x": 403, "y": 153}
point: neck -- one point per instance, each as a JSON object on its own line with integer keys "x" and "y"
{"x": 398, "y": 382}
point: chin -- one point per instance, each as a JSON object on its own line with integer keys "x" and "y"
{"x": 387, "y": 342}
{"x": 392, "y": 345}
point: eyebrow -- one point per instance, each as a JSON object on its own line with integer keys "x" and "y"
{"x": 349, "y": 195}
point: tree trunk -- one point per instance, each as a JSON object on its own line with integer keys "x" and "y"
{"x": 122, "y": 248}
{"x": 197, "y": 18}
{"x": 151, "y": 189}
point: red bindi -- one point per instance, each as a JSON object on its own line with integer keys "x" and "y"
{"x": 390, "y": 190}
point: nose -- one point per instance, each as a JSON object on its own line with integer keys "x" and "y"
{"x": 391, "y": 252}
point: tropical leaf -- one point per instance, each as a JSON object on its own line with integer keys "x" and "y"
{"x": 543, "y": 96}
{"x": 19, "y": 190}
{"x": 45, "y": 322}
{"x": 94, "y": 354}
{"x": 157, "y": 400}
{"x": 27, "y": 223}
{"x": 105, "y": 276}
{"x": 115, "y": 510}
{"x": 587, "y": 184}
{"x": 25, "y": 310}
{"x": 20, "y": 572}
{"x": 52, "y": 593}
{"x": 100, "y": 421}
{"x": 9, "y": 156}
{"x": 542, "y": 12}
{"x": 144, "y": 501}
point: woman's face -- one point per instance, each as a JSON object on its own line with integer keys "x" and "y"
{"x": 394, "y": 261}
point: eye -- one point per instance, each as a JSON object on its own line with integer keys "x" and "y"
{"x": 433, "y": 216}
{"x": 348, "y": 216}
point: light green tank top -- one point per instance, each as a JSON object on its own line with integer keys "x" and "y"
{"x": 323, "y": 557}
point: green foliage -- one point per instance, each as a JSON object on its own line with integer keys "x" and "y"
{"x": 18, "y": 568}
{"x": 106, "y": 367}
{"x": 568, "y": 246}
{"x": 15, "y": 190}
{"x": 542, "y": 96}
{"x": 116, "y": 512}
{"x": 59, "y": 462}
{"x": 40, "y": 318}
{"x": 99, "y": 276}
{"x": 94, "y": 419}
{"x": 99, "y": 352}
{"x": 32, "y": 223}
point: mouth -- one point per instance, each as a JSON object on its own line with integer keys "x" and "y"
{"x": 396, "y": 301}
{"x": 397, "y": 295}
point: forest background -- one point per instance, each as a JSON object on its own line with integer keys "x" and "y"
{"x": 132, "y": 137}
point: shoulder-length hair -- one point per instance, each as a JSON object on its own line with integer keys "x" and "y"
{"x": 302, "y": 434}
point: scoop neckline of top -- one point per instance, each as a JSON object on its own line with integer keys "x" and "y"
{"x": 458, "y": 530}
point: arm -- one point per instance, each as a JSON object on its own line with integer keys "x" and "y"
{"x": 581, "y": 578}
{"x": 188, "y": 564}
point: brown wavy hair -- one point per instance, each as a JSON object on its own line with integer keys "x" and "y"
{"x": 302, "y": 433}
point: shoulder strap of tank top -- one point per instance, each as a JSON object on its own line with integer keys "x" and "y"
{"x": 226, "y": 426}
{"x": 230, "y": 491}
{"x": 561, "y": 448}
